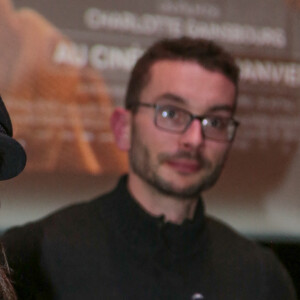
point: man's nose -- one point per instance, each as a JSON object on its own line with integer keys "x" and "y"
{"x": 193, "y": 137}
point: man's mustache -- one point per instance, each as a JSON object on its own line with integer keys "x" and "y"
{"x": 195, "y": 156}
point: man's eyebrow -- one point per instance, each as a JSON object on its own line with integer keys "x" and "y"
{"x": 181, "y": 100}
{"x": 217, "y": 108}
{"x": 173, "y": 97}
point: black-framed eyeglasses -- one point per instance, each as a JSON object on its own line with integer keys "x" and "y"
{"x": 174, "y": 119}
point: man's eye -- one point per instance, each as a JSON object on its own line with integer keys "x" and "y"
{"x": 169, "y": 113}
{"x": 216, "y": 122}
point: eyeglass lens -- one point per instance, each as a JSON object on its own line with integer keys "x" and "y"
{"x": 178, "y": 120}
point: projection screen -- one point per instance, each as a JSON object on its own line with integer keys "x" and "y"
{"x": 64, "y": 66}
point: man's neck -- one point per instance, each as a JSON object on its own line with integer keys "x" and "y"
{"x": 175, "y": 210}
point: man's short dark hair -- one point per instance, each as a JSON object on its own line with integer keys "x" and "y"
{"x": 204, "y": 52}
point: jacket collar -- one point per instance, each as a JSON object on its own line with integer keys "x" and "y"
{"x": 147, "y": 233}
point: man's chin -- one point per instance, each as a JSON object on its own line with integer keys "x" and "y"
{"x": 183, "y": 193}
{"x": 183, "y": 186}
{"x": 177, "y": 189}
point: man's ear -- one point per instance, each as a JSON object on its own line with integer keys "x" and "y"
{"x": 121, "y": 126}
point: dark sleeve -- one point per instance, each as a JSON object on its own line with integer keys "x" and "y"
{"x": 277, "y": 282}
{"x": 23, "y": 250}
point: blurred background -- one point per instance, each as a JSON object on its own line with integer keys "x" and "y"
{"x": 65, "y": 65}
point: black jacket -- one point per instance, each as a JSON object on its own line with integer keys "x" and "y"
{"x": 110, "y": 248}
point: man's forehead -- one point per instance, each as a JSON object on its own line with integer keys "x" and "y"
{"x": 170, "y": 63}
{"x": 170, "y": 69}
{"x": 185, "y": 82}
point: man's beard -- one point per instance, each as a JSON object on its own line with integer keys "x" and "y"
{"x": 141, "y": 165}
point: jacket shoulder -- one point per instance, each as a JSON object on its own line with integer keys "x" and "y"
{"x": 257, "y": 263}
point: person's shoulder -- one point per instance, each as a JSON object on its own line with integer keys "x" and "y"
{"x": 60, "y": 230}
{"x": 245, "y": 254}
{"x": 225, "y": 238}
{"x": 83, "y": 210}
{"x": 66, "y": 219}
{"x": 226, "y": 234}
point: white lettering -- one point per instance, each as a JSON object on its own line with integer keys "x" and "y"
{"x": 190, "y": 9}
{"x": 154, "y": 24}
{"x": 126, "y": 21}
{"x": 108, "y": 57}
{"x": 270, "y": 72}
{"x": 70, "y": 53}
{"x": 237, "y": 33}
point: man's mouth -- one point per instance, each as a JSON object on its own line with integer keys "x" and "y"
{"x": 185, "y": 166}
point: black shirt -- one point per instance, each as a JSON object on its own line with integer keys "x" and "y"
{"x": 110, "y": 248}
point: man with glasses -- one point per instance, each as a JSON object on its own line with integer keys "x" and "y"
{"x": 149, "y": 238}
